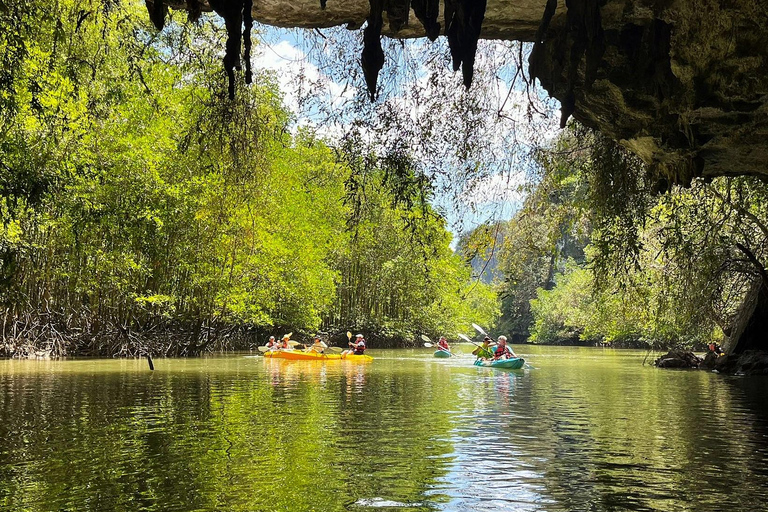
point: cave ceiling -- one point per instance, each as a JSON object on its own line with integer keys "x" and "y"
{"x": 682, "y": 83}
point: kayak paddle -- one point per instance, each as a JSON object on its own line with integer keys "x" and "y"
{"x": 481, "y": 331}
{"x": 430, "y": 345}
{"x": 465, "y": 338}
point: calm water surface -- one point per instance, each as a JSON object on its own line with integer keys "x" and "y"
{"x": 587, "y": 429}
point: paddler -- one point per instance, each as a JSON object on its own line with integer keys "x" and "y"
{"x": 502, "y": 350}
{"x": 442, "y": 344}
{"x": 272, "y": 343}
{"x": 284, "y": 345}
{"x": 318, "y": 346}
{"x": 484, "y": 351}
{"x": 357, "y": 347}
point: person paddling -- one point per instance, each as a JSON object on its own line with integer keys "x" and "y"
{"x": 272, "y": 343}
{"x": 484, "y": 351}
{"x": 318, "y": 346}
{"x": 502, "y": 350}
{"x": 284, "y": 345}
{"x": 357, "y": 347}
{"x": 442, "y": 344}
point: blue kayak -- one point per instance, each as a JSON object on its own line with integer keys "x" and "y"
{"x": 514, "y": 363}
{"x": 442, "y": 353}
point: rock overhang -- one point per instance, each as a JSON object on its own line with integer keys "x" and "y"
{"x": 682, "y": 83}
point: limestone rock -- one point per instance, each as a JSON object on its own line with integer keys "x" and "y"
{"x": 750, "y": 327}
{"x": 678, "y": 359}
{"x": 751, "y": 362}
{"x": 504, "y": 19}
{"x": 682, "y": 83}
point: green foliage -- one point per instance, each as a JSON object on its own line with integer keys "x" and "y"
{"x": 663, "y": 270}
{"x": 577, "y": 310}
{"x": 399, "y": 276}
{"x": 551, "y": 228}
{"x": 134, "y": 194}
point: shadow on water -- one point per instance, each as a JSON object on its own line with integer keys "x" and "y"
{"x": 588, "y": 429}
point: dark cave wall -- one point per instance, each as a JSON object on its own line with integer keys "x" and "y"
{"x": 683, "y": 84}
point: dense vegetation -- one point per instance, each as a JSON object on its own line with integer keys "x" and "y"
{"x": 142, "y": 210}
{"x": 597, "y": 255}
{"x": 145, "y": 211}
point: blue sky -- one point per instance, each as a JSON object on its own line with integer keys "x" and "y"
{"x": 504, "y": 165}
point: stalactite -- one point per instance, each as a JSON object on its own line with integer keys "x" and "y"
{"x": 584, "y": 39}
{"x": 538, "y": 43}
{"x": 233, "y": 20}
{"x": 247, "y": 26}
{"x": 426, "y": 12}
{"x": 234, "y": 13}
{"x": 397, "y": 13}
{"x": 463, "y": 22}
{"x": 373, "y": 55}
{"x": 449, "y": 9}
{"x": 194, "y": 10}
{"x": 157, "y": 12}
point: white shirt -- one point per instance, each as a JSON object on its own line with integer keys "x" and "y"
{"x": 318, "y": 346}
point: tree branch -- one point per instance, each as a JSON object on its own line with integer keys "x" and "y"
{"x": 751, "y": 257}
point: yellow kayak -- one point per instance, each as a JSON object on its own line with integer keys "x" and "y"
{"x": 300, "y": 355}
{"x": 359, "y": 359}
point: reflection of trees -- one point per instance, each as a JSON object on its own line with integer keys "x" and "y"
{"x": 612, "y": 438}
{"x": 209, "y": 436}
{"x": 575, "y": 434}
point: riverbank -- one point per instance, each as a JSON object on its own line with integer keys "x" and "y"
{"x": 49, "y": 336}
{"x": 53, "y": 336}
{"x": 751, "y": 362}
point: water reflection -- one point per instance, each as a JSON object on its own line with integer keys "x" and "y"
{"x": 586, "y": 430}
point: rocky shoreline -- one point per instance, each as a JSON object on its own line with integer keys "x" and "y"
{"x": 751, "y": 362}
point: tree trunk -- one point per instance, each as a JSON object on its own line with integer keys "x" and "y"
{"x": 750, "y": 328}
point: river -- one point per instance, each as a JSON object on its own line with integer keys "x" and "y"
{"x": 585, "y": 429}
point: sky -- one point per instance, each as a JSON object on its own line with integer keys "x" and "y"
{"x": 503, "y": 163}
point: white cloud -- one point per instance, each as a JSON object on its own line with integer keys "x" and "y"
{"x": 294, "y": 71}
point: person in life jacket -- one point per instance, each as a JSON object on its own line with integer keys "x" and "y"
{"x": 502, "y": 350}
{"x": 272, "y": 343}
{"x": 442, "y": 344}
{"x": 484, "y": 351}
{"x": 318, "y": 346}
{"x": 284, "y": 343}
{"x": 357, "y": 347}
